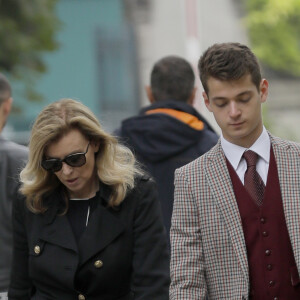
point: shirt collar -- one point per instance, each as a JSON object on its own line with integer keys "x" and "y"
{"x": 234, "y": 152}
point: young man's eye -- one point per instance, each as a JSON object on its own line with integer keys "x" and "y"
{"x": 244, "y": 100}
{"x": 220, "y": 104}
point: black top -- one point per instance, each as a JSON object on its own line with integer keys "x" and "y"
{"x": 78, "y": 215}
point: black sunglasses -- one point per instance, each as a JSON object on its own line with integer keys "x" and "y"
{"x": 73, "y": 160}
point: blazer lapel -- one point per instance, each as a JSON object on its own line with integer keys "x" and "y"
{"x": 220, "y": 182}
{"x": 288, "y": 166}
{"x": 102, "y": 229}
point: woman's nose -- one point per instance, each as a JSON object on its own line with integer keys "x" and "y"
{"x": 66, "y": 169}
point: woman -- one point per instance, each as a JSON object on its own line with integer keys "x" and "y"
{"x": 90, "y": 225}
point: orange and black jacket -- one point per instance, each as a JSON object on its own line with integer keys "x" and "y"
{"x": 165, "y": 136}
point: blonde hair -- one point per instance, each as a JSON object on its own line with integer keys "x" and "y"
{"x": 115, "y": 163}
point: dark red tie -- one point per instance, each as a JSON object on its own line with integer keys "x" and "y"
{"x": 252, "y": 181}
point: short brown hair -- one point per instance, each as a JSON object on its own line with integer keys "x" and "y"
{"x": 228, "y": 61}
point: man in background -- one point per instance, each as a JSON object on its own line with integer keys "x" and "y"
{"x": 12, "y": 157}
{"x": 168, "y": 133}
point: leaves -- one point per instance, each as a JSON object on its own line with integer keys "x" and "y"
{"x": 274, "y": 27}
{"x": 27, "y": 30}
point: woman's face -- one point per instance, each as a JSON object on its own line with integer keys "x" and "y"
{"x": 81, "y": 182}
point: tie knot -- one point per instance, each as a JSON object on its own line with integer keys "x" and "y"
{"x": 251, "y": 158}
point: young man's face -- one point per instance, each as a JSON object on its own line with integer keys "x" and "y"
{"x": 236, "y": 106}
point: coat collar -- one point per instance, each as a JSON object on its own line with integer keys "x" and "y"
{"x": 104, "y": 226}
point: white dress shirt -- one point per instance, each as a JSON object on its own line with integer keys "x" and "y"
{"x": 234, "y": 155}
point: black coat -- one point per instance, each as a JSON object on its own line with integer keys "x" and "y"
{"x": 163, "y": 143}
{"x": 121, "y": 255}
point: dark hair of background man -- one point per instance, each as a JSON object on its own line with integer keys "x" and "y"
{"x": 172, "y": 78}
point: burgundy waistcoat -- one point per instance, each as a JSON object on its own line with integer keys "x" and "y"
{"x": 272, "y": 268}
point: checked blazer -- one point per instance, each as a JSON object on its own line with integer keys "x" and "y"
{"x": 209, "y": 256}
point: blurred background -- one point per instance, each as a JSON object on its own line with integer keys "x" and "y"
{"x": 101, "y": 52}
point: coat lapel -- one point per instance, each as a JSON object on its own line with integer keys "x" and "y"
{"x": 102, "y": 229}
{"x": 57, "y": 229}
{"x": 220, "y": 183}
{"x": 288, "y": 166}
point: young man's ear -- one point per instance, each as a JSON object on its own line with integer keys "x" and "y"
{"x": 264, "y": 90}
{"x": 192, "y": 97}
{"x": 206, "y": 101}
{"x": 149, "y": 94}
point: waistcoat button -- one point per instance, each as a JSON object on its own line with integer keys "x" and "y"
{"x": 265, "y": 233}
{"x": 269, "y": 267}
{"x": 272, "y": 283}
{"x": 81, "y": 297}
{"x": 263, "y": 220}
{"x": 268, "y": 252}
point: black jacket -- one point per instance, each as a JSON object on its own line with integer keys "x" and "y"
{"x": 121, "y": 255}
{"x": 163, "y": 143}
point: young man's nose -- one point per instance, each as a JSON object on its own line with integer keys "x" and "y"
{"x": 234, "y": 110}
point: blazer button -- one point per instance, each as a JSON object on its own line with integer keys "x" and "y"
{"x": 81, "y": 297}
{"x": 37, "y": 249}
{"x": 98, "y": 264}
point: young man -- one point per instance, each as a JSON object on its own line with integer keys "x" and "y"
{"x": 236, "y": 220}
{"x": 12, "y": 157}
{"x": 170, "y": 132}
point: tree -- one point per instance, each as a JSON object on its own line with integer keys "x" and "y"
{"x": 27, "y": 30}
{"x": 274, "y": 27}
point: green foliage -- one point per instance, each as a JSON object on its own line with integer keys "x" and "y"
{"x": 27, "y": 30}
{"x": 274, "y": 31}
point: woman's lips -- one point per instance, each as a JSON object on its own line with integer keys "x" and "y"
{"x": 71, "y": 180}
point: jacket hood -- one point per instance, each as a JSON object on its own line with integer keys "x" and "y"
{"x": 158, "y": 134}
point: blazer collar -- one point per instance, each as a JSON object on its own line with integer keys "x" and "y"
{"x": 287, "y": 156}
{"x": 220, "y": 184}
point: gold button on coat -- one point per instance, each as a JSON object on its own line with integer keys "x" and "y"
{"x": 37, "y": 249}
{"x": 98, "y": 264}
{"x": 81, "y": 297}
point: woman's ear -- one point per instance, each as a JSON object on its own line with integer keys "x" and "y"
{"x": 96, "y": 146}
